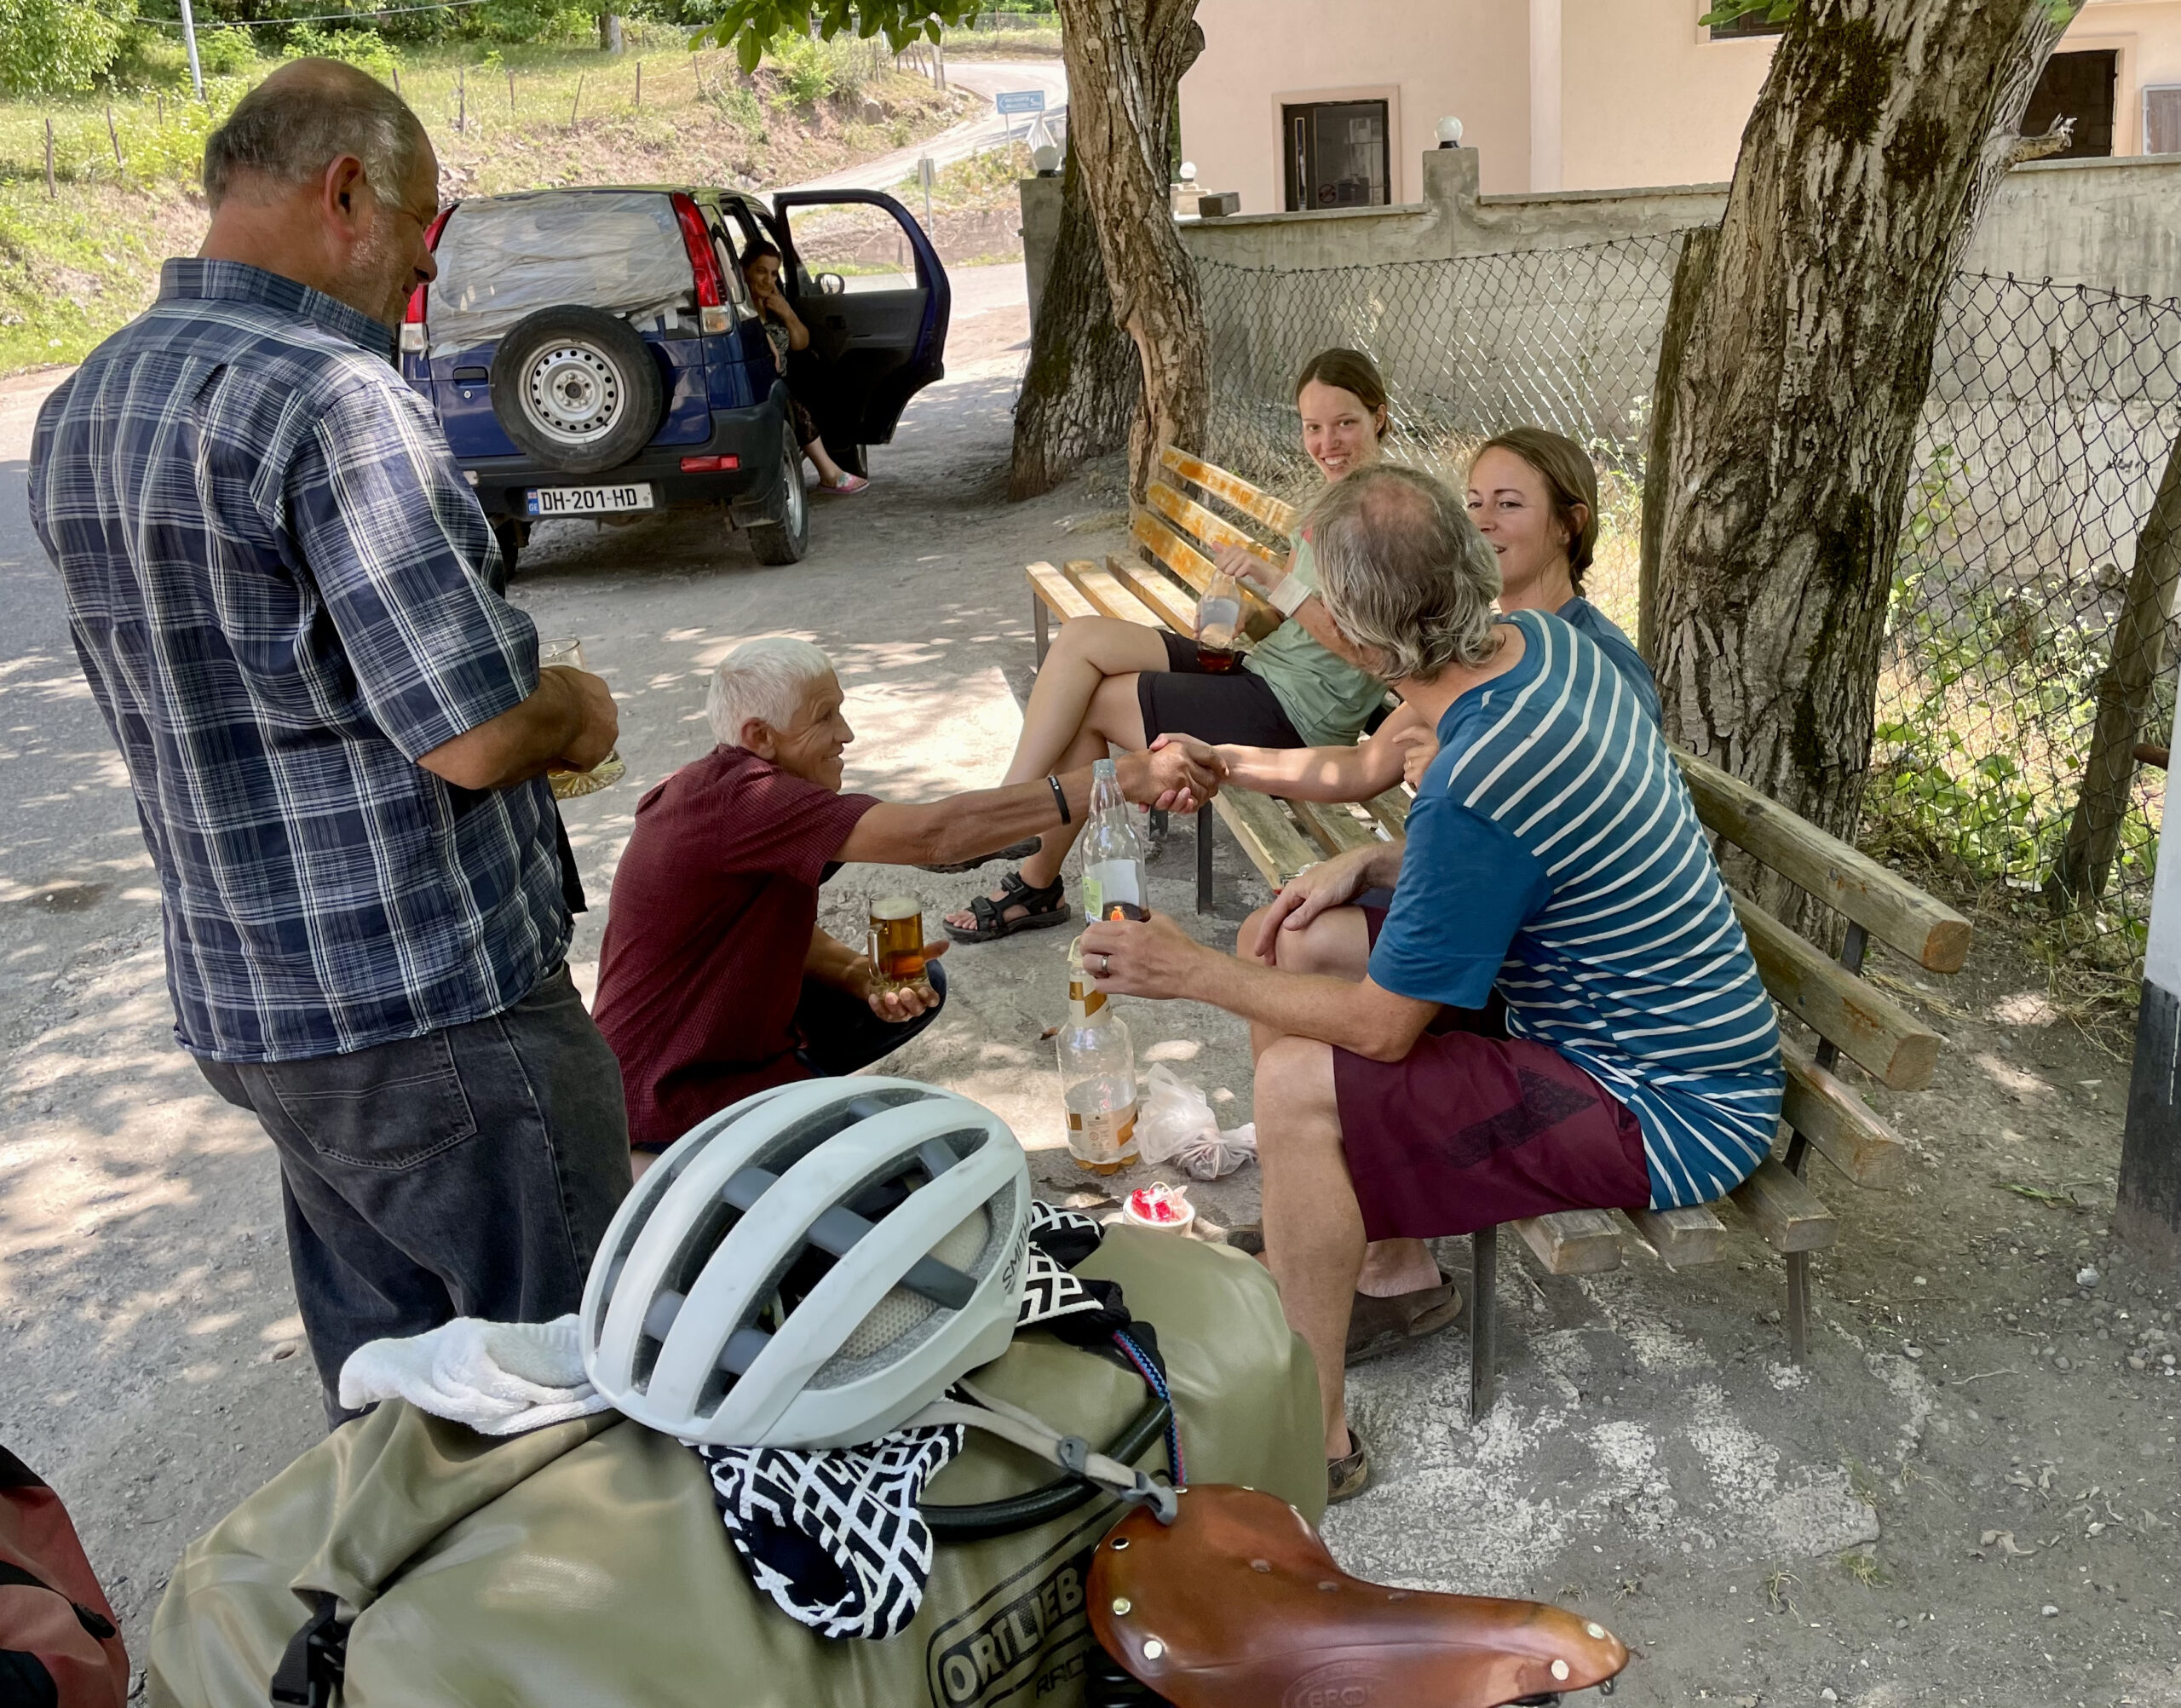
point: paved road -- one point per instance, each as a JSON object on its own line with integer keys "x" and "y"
{"x": 986, "y": 77}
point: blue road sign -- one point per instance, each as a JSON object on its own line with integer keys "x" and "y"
{"x": 1013, "y": 101}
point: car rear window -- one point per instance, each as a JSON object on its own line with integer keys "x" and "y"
{"x": 620, "y": 250}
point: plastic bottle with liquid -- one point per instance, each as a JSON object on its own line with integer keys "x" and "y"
{"x": 1113, "y": 885}
{"x": 1097, "y": 1075}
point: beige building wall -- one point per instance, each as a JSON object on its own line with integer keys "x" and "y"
{"x": 1648, "y": 98}
{"x": 1425, "y": 58}
{"x": 1554, "y": 95}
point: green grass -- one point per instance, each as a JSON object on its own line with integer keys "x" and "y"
{"x": 74, "y": 265}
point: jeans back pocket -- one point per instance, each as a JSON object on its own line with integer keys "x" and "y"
{"x": 390, "y": 1107}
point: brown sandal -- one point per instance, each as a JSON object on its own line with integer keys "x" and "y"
{"x": 1377, "y": 1327}
{"x": 1350, "y": 1475}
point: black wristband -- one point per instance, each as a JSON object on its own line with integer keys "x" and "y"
{"x": 1060, "y": 800}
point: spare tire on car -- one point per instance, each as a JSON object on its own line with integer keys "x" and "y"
{"x": 577, "y": 390}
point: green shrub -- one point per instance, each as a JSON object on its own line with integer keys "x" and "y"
{"x": 228, "y": 52}
{"x": 810, "y": 72}
{"x": 53, "y": 46}
{"x": 366, "y": 50}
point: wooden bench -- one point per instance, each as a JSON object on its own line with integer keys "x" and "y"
{"x": 1845, "y": 1014}
{"x": 1176, "y": 536}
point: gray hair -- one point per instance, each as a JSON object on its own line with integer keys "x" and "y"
{"x": 1403, "y": 572}
{"x": 306, "y": 116}
{"x": 764, "y": 679}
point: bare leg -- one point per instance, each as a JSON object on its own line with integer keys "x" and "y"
{"x": 1112, "y": 718}
{"x": 1313, "y": 1228}
{"x": 1088, "y": 652}
{"x": 1336, "y": 944}
{"x": 829, "y": 472}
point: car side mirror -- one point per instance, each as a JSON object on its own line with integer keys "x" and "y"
{"x": 831, "y": 284}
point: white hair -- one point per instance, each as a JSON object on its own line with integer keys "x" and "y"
{"x": 764, "y": 679}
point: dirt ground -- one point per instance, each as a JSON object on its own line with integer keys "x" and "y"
{"x": 1970, "y": 1495}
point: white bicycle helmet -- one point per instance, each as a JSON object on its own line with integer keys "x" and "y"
{"x": 811, "y": 1267}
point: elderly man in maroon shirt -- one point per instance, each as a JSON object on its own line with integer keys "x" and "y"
{"x": 715, "y": 980}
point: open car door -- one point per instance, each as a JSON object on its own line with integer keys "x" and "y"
{"x": 865, "y": 280}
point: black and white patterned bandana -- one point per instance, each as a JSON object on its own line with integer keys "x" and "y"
{"x": 836, "y": 1537}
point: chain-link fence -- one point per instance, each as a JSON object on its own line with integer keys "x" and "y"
{"x": 2051, "y": 415}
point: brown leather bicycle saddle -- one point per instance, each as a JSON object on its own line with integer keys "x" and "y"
{"x": 1237, "y": 1604}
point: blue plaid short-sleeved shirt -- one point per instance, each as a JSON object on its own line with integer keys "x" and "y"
{"x": 275, "y": 573}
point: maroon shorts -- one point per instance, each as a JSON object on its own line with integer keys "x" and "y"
{"x": 1472, "y": 1127}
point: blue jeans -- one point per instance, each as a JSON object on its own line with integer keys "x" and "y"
{"x": 468, "y": 1172}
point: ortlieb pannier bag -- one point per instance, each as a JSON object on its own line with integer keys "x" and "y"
{"x": 587, "y": 1563}
{"x": 59, "y": 1644}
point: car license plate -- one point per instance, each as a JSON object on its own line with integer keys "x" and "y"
{"x": 589, "y": 501}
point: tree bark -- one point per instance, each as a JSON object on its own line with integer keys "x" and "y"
{"x": 1124, "y": 63}
{"x": 1084, "y": 378}
{"x": 1882, "y": 130}
{"x": 2124, "y": 690}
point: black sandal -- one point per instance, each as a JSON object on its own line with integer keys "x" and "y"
{"x": 1043, "y": 909}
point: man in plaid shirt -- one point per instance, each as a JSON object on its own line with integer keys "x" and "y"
{"x": 337, "y": 734}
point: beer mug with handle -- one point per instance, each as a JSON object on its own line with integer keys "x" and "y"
{"x": 895, "y": 943}
{"x": 568, "y": 784}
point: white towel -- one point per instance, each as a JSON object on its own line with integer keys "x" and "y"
{"x": 500, "y": 1378}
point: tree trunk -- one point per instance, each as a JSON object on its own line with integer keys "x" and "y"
{"x": 1124, "y": 63}
{"x": 1084, "y": 379}
{"x": 2124, "y": 690}
{"x": 609, "y": 32}
{"x": 1794, "y": 396}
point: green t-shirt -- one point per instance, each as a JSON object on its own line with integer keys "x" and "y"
{"x": 1325, "y": 698}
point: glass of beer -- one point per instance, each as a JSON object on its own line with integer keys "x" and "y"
{"x": 568, "y": 784}
{"x": 895, "y": 943}
{"x": 1219, "y": 625}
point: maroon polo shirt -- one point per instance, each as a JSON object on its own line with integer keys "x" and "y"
{"x": 713, "y": 906}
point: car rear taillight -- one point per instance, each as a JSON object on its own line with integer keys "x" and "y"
{"x": 709, "y": 465}
{"x": 413, "y": 338}
{"x": 713, "y": 313}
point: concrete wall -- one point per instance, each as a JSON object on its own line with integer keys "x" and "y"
{"x": 2114, "y": 224}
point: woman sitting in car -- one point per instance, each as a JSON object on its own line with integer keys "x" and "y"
{"x": 784, "y": 331}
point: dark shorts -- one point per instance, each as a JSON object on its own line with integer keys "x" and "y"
{"x": 1472, "y": 1127}
{"x": 1239, "y": 708}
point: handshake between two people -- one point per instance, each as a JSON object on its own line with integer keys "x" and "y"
{"x": 1177, "y": 773}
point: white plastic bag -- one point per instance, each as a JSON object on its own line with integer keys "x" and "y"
{"x": 1175, "y": 1123}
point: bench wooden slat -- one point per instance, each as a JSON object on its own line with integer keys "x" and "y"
{"x": 1846, "y": 1131}
{"x": 1682, "y": 1238}
{"x": 1390, "y": 809}
{"x": 1268, "y": 836}
{"x": 1276, "y": 514}
{"x": 1104, "y": 589}
{"x": 1787, "y": 1213}
{"x": 1060, "y": 596}
{"x": 1151, "y": 526}
{"x": 1207, "y": 527}
{"x": 1871, "y": 1028}
{"x": 1882, "y": 902}
{"x": 1333, "y": 827}
{"x": 1160, "y": 591}
{"x": 1574, "y": 1242}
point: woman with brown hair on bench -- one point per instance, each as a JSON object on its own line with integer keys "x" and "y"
{"x": 1109, "y": 682}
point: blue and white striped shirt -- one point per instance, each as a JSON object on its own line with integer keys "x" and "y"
{"x": 276, "y": 576}
{"x": 1553, "y": 850}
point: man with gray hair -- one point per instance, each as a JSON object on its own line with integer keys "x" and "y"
{"x": 716, "y": 981}
{"x": 278, "y": 586}
{"x": 1553, "y": 1008}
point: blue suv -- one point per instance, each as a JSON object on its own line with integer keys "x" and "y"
{"x": 594, "y": 351}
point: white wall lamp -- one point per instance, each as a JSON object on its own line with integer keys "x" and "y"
{"x": 1450, "y": 132}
